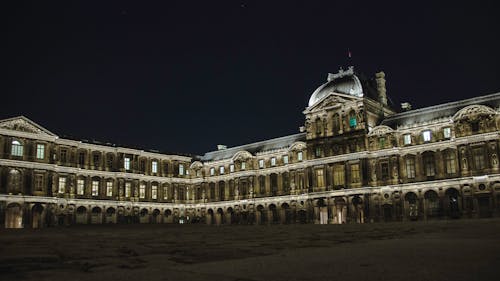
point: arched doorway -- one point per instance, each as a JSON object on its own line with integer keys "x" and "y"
{"x": 273, "y": 216}
{"x": 209, "y": 217}
{"x": 81, "y": 215}
{"x": 37, "y": 216}
{"x": 261, "y": 215}
{"x": 219, "y": 217}
{"x": 302, "y": 216}
{"x": 285, "y": 214}
{"x": 156, "y": 217}
{"x": 452, "y": 203}
{"x": 432, "y": 204}
{"x": 14, "y": 216}
{"x": 110, "y": 215}
{"x": 144, "y": 216}
{"x": 96, "y": 215}
{"x": 411, "y": 205}
{"x": 168, "y": 216}
{"x": 359, "y": 212}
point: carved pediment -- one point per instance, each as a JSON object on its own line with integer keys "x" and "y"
{"x": 380, "y": 130}
{"x": 298, "y": 146}
{"x": 23, "y": 124}
{"x": 472, "y": 112}
{"x": 242, "y": 156}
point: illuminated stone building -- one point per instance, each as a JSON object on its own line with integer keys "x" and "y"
{"x": 355, "y": 161}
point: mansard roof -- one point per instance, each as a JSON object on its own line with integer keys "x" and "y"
{"x": 253, "y": 148}
{"x": 445, "y": 110}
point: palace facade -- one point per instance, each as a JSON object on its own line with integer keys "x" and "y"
{"x": 355, "y": 160}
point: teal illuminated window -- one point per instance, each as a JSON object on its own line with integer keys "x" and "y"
{"x": 352, "y": 122}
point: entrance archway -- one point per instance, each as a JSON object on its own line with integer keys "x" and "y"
{"x": 14, "y": 216}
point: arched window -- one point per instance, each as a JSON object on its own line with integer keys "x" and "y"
{"x": 17, "y": 148}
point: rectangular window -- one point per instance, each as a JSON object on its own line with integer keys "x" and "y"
{"x": 299, "y": 155}
{"x": 381, "y": 142}
{"x": 62, "y": 184}
{"x": 407, "y": 139}
{"x": 354, "y": 173}
{"x": 447, "y": 132}
{"x": 154, "y": 191}
{"x": 352, "y": 122}
{"x": 261, "y": 163}
{"x": 384, "y": 170}
{"x": 320, "y": 181}
{"x": 38, "y": 182}
{"x": 338, "y": 175}
{"x": 181, "y": 170}
{"x": 212, "y": 171}
{"x": 430, "y": 169}
{"x": 95, "y": 188}
{"x": 410, "y": 168}
{"x": 221, "y": 170}
{"x": 154, "y": 167}
{"x": 450, "y": 163}
{"x": 126, "y": 163}
{"x": 80, "y": 186}
{"x": 16, "y": 149}
{"x": 142, "y": 191}
{"x": 426, "y": 135}
{"x": 109, "y": 188}
{"x": 96, "y": 160}
{"x": 128, "y": 187}
{"x": 231, "y": 168}
{"x": 165, "y": 193}
{"x": 479, "y": 162}
{"x": 317, "y": 152}
{"x": 81, "y": 159}
{"x": 243, "y": 165}
{"x": 273, "y": 161}
{"x": 63, "y": 156}
{"x": 285, "y": 159}
{"x": 40, "y": 151}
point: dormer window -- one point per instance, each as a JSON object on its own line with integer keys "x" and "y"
{"x": 447, "y": 132}
{"x": 221, "y": 170}
{"x": 212, "y": 171}
{"x": 273, "y": 161}
{"x": 426, "y": 135}
{"x": 243, "y": 165}
{"x": 299, "y": 156}
{"x": 181, "y": 170}
{"x": 285, "y": 159}
{"x": 261, "y": 163}
{"x": 352, "y": 120}
{"x": 231, "y": 168}
{"x": 407, "y": 139}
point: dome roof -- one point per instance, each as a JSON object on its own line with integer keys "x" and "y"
{"x": 344, "y": 82}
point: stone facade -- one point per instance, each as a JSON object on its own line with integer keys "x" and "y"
{"x": 355, "y": 161}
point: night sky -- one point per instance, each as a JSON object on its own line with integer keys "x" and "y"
{"x": 184, "y": 76}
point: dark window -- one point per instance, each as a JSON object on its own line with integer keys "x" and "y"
{"x": 479, "y": 162}
{"x": 110, "y": 162}
{"x": 429, "y": 165}
{"x": 63, "y": 156}
{"x": 384, "y": 169}
{"x": 81, "y": 158}
{"x": 96, "y": 160}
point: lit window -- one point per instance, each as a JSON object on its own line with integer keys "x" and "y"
{"x": 352, "y": 120}
{"x": 128, "y": 187}
{"x": 320, "y": 182}
{"x": 243, "y": 165}
{"x": 80, "y": 186}
{"x": 126, "y": 164}
{"x": 154, "y": 191}
{"x": 109, "y": 188}
{"x": 142, "y": 190}
{"x": 212, "y": 171}
{"x": 187, "y": 172}
{"x": 221, "y": 170}
{"x": 273, "y": 161}
{"x": 450, "y": 163}
{"x": 355, "y": 173}
{"x": 40, "y": 151}
{"x": 17, "y": 148}
{"x": 447, "y": 132}
{"x": 338, "y": 175}
{"x": 261, "y": 163}
{"x": 181, "y": 169}
{"x": 154, "y": 167}
{"x": 407, "y": 139}
{"x": 95, "y": 188}
{"x": 285, "y": 159}
{"x": 427, "y": 135}
{"x": 317, "y": 152}
{"x": 165, "y": 193}
{"x": 231, "y": 168}
{"x": 410, "y": 167}
{"x": 62, "y": 184}
{"x": 299, "y": 155}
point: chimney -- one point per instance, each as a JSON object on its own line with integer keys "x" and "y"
{"x": 380, "y": 78}
{"x": 221, "y": 147}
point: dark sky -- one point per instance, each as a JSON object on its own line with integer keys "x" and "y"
{"x": 183, "y": 76}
